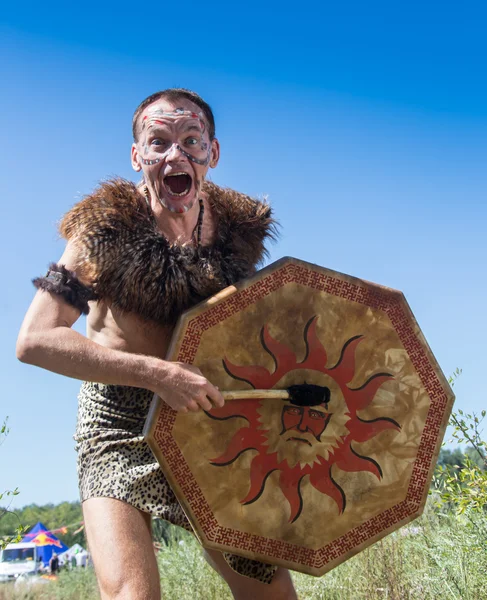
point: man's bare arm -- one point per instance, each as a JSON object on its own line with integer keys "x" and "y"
{"x": 47, "y": 340}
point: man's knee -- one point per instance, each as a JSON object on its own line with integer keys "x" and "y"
{"x": 245, "y": 588}
{"x": 120, "y": 542}
{"x": 123, "y": 586}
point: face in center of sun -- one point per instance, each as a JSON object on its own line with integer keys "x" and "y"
{"x": 299, "y": 435}
{"x": 299, "y": 423}
{"x": 174, "y": 152}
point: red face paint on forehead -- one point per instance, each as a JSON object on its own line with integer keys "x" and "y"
{"x": 174, "y": 142}
{"x": 179, "y": 123}
{"x": 156, "y": 115}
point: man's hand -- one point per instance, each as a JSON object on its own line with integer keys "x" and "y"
{"x": 184, "y": 388}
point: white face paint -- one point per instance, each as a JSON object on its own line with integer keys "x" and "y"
{"x": 181, "y": 130}
{"x": 174, "y": 151}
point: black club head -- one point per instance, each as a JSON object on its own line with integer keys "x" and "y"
{"x": 308, "y": 394}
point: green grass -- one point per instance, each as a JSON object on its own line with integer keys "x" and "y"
{"x": 437, "y": 557}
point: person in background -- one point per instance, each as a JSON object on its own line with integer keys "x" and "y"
{"x": 81, "y": 558}
{"x": 54, "y": 564}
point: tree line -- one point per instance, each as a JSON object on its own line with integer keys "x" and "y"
{"x": 53, "y": 516}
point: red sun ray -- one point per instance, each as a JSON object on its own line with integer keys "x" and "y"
{"x": 247, "y": 409}
{"x": 320, "y": 478}
{"x": 284, "y": 358}
{"x": 258, "y": 377}
{"x": 244, "y": 439}
{"x": 290, "y": 480}
{"x": 261, "y": 467}
{"x": 344, "y": 370}
{"x": 351, "y": 461}
{"x": 316, "y": 356}
{"x": 361, "y": 431}
{"x": 363, "y": 396}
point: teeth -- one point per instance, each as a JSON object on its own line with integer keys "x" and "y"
{"x": 185, "y": 192}
{"x": 179, "y": 194}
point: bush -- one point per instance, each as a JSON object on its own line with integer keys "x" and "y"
{"x": 19, "y": 529}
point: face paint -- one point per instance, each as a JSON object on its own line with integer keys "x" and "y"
{"x": 169, "y": 140}
{"x": 182, "y": 122}
{"x": 175, "y": 146}
{"x": 156, "y": 115}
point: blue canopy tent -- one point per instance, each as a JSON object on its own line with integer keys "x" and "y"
{"x": 46, "y": 542}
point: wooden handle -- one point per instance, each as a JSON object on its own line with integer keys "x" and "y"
{"x": 249, "y": 394}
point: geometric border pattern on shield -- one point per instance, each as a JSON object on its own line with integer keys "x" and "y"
{"x": 410, "y": 507}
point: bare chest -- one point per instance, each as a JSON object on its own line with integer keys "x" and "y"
{"x": 128, "y": 332}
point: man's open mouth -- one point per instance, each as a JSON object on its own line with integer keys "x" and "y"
{"x": 178, "y": 184}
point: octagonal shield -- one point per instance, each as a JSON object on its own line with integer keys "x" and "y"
{"x": 304, "y": 485}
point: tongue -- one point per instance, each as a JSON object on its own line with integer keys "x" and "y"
{"x": 178, "y": 183}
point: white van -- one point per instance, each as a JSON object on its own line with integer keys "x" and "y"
{"x": 18, "y": 560}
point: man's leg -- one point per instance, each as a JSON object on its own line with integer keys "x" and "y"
{"x": 120, "y": 541}
{"x": 245, "y": 588}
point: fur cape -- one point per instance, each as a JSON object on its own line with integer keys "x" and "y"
{"x": 132, "y": 266}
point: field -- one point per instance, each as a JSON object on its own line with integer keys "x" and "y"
{"x": 439, "y": 556}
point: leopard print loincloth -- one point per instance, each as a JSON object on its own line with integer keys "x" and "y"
{"x": 115, "y": 461}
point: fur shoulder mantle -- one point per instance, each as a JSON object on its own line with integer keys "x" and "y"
{"x": 133, "y": 266}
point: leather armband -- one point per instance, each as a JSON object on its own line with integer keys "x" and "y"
{"x": 58, "y": 280}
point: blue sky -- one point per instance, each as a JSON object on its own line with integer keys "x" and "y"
{"x": 364, "y": 123}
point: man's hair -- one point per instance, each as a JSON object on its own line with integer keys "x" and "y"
{"x": 173, "y": 94}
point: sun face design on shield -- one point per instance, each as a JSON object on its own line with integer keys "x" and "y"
{"x": 304, "y": 436}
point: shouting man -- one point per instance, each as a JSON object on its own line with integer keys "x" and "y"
{"x": 136, "y": 257}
